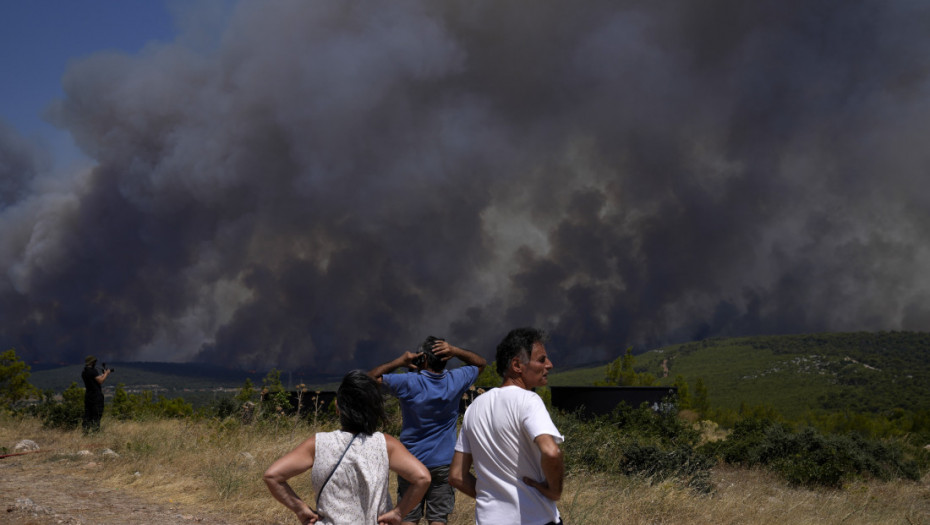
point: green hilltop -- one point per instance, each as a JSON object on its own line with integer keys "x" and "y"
{"x": 861, "y": 372}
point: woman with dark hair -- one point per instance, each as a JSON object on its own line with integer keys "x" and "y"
{"x": 351, "y": 466}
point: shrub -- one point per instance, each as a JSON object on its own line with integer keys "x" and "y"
{"x": 145, "y": 405}
{"x": 275, "y": 400}
{"x": 652, "y": 461}
{"x": 635, "y": 442}
{"x": 65, "y": 414}
{"x": 662, "y": 425}
{"x": 811, "y": 459}
{"x": 173, "y": 408}
{"x": 220, "y": 408}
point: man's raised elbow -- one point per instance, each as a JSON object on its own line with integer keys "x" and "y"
{"x": 552, "y": 454}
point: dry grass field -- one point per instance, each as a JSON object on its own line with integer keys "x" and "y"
{"x": 209, "y": 469}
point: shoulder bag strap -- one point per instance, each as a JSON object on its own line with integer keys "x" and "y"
{"x": 323, "y": 486}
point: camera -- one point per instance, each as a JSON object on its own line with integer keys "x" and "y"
{"x": 105, "y": 368}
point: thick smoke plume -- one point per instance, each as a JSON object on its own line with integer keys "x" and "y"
{"x": 326, "y": 183}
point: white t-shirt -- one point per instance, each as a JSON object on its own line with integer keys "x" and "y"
{"x": 498, "y": 431}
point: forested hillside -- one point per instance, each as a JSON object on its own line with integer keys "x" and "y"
{"x": 861, "y": 372}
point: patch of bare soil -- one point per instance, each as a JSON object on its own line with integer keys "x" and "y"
{"x": 38, "y": 490}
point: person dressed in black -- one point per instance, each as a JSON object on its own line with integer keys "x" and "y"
{"x": 93, "y": 393}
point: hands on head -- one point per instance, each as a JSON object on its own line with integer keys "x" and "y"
{"x": 444, "y": 350}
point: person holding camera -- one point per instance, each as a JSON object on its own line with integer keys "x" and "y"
{"x": 93, "y": 393}
{"x": 429, "y": 402}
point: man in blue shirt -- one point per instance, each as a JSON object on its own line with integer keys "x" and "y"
{"x": 429, "y": 402}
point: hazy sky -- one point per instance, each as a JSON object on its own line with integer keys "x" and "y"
{"x": 324, "y": 184}
{"x": 39, "y": 38}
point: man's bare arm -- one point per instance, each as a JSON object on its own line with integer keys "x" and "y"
{"x": 552, "y": 466}
{"x": 406, "y": 359}
{"x": 406, "y": 466}
{"x": 446, "y": 351}
{"x": 460, "y": 475}
{"x": 103, "y": 377}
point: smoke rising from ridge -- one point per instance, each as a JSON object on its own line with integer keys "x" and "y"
{"x": 327, "y": 183}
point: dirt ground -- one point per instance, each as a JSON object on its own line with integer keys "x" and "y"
{"x": 35, "y": 491}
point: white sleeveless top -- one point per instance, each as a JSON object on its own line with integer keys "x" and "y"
{"x": 357, "y": 493}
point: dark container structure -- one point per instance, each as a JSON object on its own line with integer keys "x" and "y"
{"x": 601, "y": 400}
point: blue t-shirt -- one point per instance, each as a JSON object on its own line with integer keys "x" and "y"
{"x": 429, "y": 404}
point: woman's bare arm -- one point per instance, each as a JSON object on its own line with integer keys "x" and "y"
{"x": 405, "y": 465}
{"x": 291, "y": 464}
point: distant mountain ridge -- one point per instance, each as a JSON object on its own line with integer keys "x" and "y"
{"x": 169, "y": 377}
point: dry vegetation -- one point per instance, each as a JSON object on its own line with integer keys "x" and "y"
{"x": 216, "y": 468}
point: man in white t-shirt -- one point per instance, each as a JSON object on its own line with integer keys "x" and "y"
{"x": 510, "y": 439}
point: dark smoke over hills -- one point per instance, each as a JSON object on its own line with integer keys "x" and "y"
{"x": 326, "y": 183}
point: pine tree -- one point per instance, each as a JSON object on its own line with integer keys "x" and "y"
{"x": 700, "y": 402}
{"x": 14, "y": 379}
{"x": 247, "y": 392}
{"x": 684, "y": 396}
{"x": 489, "y": 377}
{"x": 621, "y": 372}
{"x": 122, "y": 405}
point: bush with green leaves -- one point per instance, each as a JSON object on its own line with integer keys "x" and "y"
{"x": 66, "y": 413}
{"x": 275, "y": 400}
{"x": 146, "y": 405}
{"x": 220, "y": 408}
{"x": 910, "y": 424}
{"x": 635, "y": 442}
{"x": 811, "y": 459}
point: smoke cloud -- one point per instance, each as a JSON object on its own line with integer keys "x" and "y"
{"x": 323, "y": 184}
